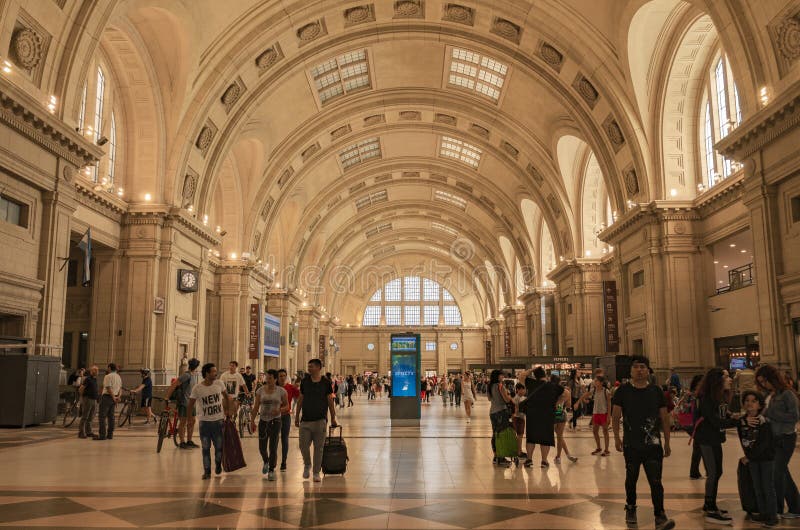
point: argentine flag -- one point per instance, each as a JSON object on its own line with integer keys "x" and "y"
{"x": 85, "y": 244}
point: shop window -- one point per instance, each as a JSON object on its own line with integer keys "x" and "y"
{"x": 430, "y": 346}
{"x": 638, "y": 279}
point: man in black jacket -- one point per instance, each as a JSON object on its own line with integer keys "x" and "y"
{"x": 89, "y": 395}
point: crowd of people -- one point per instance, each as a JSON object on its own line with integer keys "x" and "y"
{"x": 765, "y": 416}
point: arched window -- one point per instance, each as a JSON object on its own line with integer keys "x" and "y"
{"x": 720, "y": 113}
{"x": 100, "y": 93}
{"x": 112, "y": 148}
{"x": 82, "y": 114}
{"x": 412, "y": 301}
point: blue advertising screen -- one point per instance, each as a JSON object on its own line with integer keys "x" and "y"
{"x": 272, "y": 336}
{"x": 404, "y": 374}
{"x": 738, "y": 363}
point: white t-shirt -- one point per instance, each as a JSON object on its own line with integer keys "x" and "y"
{"x": 232, "y": 382}
{"x": 114, "y": 381}
{"x": 209, "y": 401}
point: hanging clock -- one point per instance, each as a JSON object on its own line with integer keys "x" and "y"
{"x": 187, "y": 280}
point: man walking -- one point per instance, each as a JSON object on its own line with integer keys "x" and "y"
{"x": 457, "y": 388}
{"x": 271, "y": 401}
{"x": 181, "y": 389}
{"x": 643, "y": 408}
{"x": 211, "y": 396}
{"x": 235, "y": 386}
{"x": 315, "y": 401}
{"x": 112, "y": 386}
{"x": 89, "y": 394}
{"x": 292, "y": 393}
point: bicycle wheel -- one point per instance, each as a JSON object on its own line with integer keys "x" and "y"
{"x": 71, "y": 414}
{"x": 174, "y": 434}
{"x": 241, "y": 423}
{"x": 124, "y": 414}
{"x": 163, "y": 423}
{"x": 249, "y": 425}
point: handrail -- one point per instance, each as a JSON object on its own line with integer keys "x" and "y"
{"x": 738, "y": 278}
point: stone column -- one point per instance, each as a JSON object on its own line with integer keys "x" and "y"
{"x": 57, "y": 209}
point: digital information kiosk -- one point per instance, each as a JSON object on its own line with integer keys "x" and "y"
{"x": 405, "y": 359}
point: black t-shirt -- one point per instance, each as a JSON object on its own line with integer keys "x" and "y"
{"x": 540, "y": 403}
{"x": 641, "y": 414}
{"x": 90, "y": 387}
{"x": 249, "y": 379}
{"x": 315, "y": 398}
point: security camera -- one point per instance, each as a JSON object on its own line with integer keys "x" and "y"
{"x": 102, "y": 141}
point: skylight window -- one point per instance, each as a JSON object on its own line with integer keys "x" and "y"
{"x": 455, "y": 200}
{"x": 444, "y": 228}
{"x": 475, "y": 72}
{"x": 461, "y": 151}
{"x": 341, "y": 75}
{"x": 372, "y": 198}
{"x": 378, "y": 229}
{"x": 360, "y": 152}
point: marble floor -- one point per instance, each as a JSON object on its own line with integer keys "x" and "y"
{"x": 436, "y": 476}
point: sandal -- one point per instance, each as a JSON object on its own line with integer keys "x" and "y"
{"x": 545, "y": 464}
{"x": 572, "y": 459}
{"x": 528, "y": 463}
{"x": 605, "y": 453}
{"x": 597, "y": 451}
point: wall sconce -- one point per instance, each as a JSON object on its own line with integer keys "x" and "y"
{"x": 51, "y": 104}
{"x": 763, "y": 95}
{"x": 6, "y": 67}
{"x": 148, "y": 197}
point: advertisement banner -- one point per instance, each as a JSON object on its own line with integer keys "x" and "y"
{"x": 610, "y": 316}
{"x": 254, "y": 336}
{"x": 507, "y": 342}
{"x": 272, "y": 335}
{"x": 404, "y": 358}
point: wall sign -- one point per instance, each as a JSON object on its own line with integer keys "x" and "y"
{"x": 507, "y": 342}
{"x": 253, "y": 332}
{"x": 159, "y": 305}
{"x": 488, "y": 352}
{"x": 321, "y": 347}
{"x": 610, "y": 316}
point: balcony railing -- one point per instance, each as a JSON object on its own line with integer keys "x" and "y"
{"x": 738, "y": 278}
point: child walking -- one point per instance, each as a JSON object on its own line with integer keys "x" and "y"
{"x": 518, "y": 420}
{"x": 600, "y": 411}
{"x": 759, "y": 456}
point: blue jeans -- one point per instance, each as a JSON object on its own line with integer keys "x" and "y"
{"x": 763, "y": 474}
{"x": 211, "y": 432}
{"x": 785, "y": 488}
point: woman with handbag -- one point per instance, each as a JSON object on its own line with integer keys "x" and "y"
{"x": 539, "y": 411}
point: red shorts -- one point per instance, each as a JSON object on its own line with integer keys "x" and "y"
{"x": 600, "y": 419}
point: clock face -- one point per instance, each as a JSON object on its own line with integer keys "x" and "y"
{"x": 370, "y": 346}
{"x": 188, "y": 279}
{"x": 453, "y": 346}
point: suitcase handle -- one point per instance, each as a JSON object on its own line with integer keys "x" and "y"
{"x": 332, "y": 429}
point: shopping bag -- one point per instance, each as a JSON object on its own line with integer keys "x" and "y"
{"x": 232, "y": 455}
{"x": 505, "y": 443}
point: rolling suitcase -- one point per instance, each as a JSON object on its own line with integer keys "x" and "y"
{"x": 505, "y": 445}
{"x": 334, "y": 453}
{"x": 747, "y": 493}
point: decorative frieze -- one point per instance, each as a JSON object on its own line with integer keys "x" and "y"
{"x": 375, "y": 119}
{"x": 410, "y": 115}
{"x": 459, "y": 14}
{"x": 28, "y": 46}
{"x": 268, "y": 58}
{"x": 550, "y": 55}
{"x": 555, "y": 206}
{"x": 190, "y": 181}
{"x": 631, "y": 181}
{"x": 232, "y": 94}
{"x": 506, "y": 29}
{"x": 311, "y": 32}
{"x": 784, "y": 30}
{"x": 446, "y": 119}
{"x": 266, "y": 208}
{"x": 509, "y": 149}
{"x": 206, "y": 137}
{"x": 285, "y": 176}
{"x": 535, "y": 174}
{"x": 310, "y": 151}
{"x": 409, "y": 9}
{"x": 614, "y": 133}
{"x": 480, "y": 131}
{"x": 359, "y": 15}
{"x": 586, "y": 89}
{"x": 341, "y": 131}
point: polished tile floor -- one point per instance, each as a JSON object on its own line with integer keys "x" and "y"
{"x": 435, "y": 476}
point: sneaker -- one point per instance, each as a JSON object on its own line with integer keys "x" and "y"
{"x": 206, "y": 475}
{"x": 192, "y": 445}
{"x": 317, "y": 478}
{"x": 306, "y": 471}
{"x": 572, "y": 459}
{"x": 545, "y": 464}
{"x": 264, "y": 468}
{"x": 557, "y": 460}
{"x": 523, "y": 454}
{"x": 597, "y": 451}
{"x": 605, "y": 453}
{"x": 528, "y": 462}
{"x": 183, "y": 445}
{"x": 718, "y": 517}
{"x": 768, "y": 523}
{"x": 695, "y": 477}
{"x": 218, "y": 469}
{"x": 272, "y": 476}
{"x": 720, "y": 510}
{"x": 630, "y": 516}
{"x": 283, "y": 466}
{"x": 790, "y": 515}
{"x": 664, "y": 523}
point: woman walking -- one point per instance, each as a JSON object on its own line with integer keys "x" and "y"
{"x": 498, "y": 411}
{"x": 709, "y": 432}
{"x": 467, "y": 395}
{"x": 782, "y": 415}
{"x": 600, "y": 397}
{"x": 560, "y": 420}
{"x": 575, "y": 388}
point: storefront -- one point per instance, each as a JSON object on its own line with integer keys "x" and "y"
{"x": 737, "y": 352}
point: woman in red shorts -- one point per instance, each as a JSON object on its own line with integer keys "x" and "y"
{"x": 601, "y": 398}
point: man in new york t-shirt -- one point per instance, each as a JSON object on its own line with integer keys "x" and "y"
{"x": 210, "y": 397}
{"x": 643, "y": 408}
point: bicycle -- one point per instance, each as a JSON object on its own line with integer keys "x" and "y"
{"x": 72, "y": 410}
{"x": 167, "y": 425}
{"x": 129, "y": 408}
{"x": 244, "y": 416}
